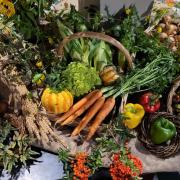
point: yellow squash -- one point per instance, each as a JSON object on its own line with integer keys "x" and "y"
{"x": 56, "y": 103}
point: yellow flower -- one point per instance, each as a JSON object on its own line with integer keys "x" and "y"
{"x": 50, "y": 40}
{"x": 147, "y": 18}
{"x": 39, "y": 64}
{"x": 41, "y": 80}
{"x": 7, "y": 8}
{"x": 128, "y": 11}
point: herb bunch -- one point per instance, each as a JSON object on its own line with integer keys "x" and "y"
{"x": 156, "y": 76}
{"x": 14, "y": 147}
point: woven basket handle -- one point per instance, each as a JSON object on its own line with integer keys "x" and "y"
{"x": 175, "y": 86}
{"x": 99, "y": 36}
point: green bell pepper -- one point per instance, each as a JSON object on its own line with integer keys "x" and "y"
{"x": 162, "y": 130}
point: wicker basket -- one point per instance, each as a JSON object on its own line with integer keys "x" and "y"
{"x": 162, "y": 150}
{"x": 106, "y": 38}
{"x": 175, "y": 86}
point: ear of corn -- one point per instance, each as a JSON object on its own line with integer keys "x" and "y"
{"x": 74, "y": 48}
{"x": 100, "y": 55}
{"x": 92, "y": 52}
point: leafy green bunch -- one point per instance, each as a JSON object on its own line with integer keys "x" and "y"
{"x": 14, "y": 147}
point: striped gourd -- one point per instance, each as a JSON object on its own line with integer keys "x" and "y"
{"x": 56, "y": 103}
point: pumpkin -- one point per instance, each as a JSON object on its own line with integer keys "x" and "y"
{"x": 56, "y": 102}
{"x": 109, "y": 75}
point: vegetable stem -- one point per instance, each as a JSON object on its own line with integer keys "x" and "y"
{"x": 110, "y": 93}
{"x": 105, "y": 89}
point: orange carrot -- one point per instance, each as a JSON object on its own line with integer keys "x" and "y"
{"x": 91, "y": 101}
{"x": 76, "y": 106}
{"x": 89, "y": 115}
{"x": 104, "y": 111}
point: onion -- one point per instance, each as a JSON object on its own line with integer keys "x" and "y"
{"x": 163, "y": 36}
{"x": 171, "y": 27}
{"x": 171, "y": 39}
{"x": 172, "y": 45}
{"x": 177, "y": 38}
{"x": 174, "y": 32}
{"x": 162, "y": 25}
{"x": 167, "y": 19}
{"x": 169, "y": 32}
{"x": 174, "y": 48}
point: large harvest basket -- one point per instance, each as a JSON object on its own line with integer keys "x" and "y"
{"x": 106, "y": 38}
{"x": 99, "y": 36}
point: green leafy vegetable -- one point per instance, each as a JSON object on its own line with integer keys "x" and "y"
{"x": 79, "y": 78}
{"x": 28, "y": 15}
{"x": 100, "y": 55}
{"x": 65, "y": 157}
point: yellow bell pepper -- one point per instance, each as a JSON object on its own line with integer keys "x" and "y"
{"x": 133, "y": 114}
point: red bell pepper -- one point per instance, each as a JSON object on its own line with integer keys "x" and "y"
{"x": 150, "y": 102}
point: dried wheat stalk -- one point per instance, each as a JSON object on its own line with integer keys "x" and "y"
{"x": 37, "y": 125}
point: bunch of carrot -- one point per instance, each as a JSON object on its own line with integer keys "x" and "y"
{"x": 98, "y": 106}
